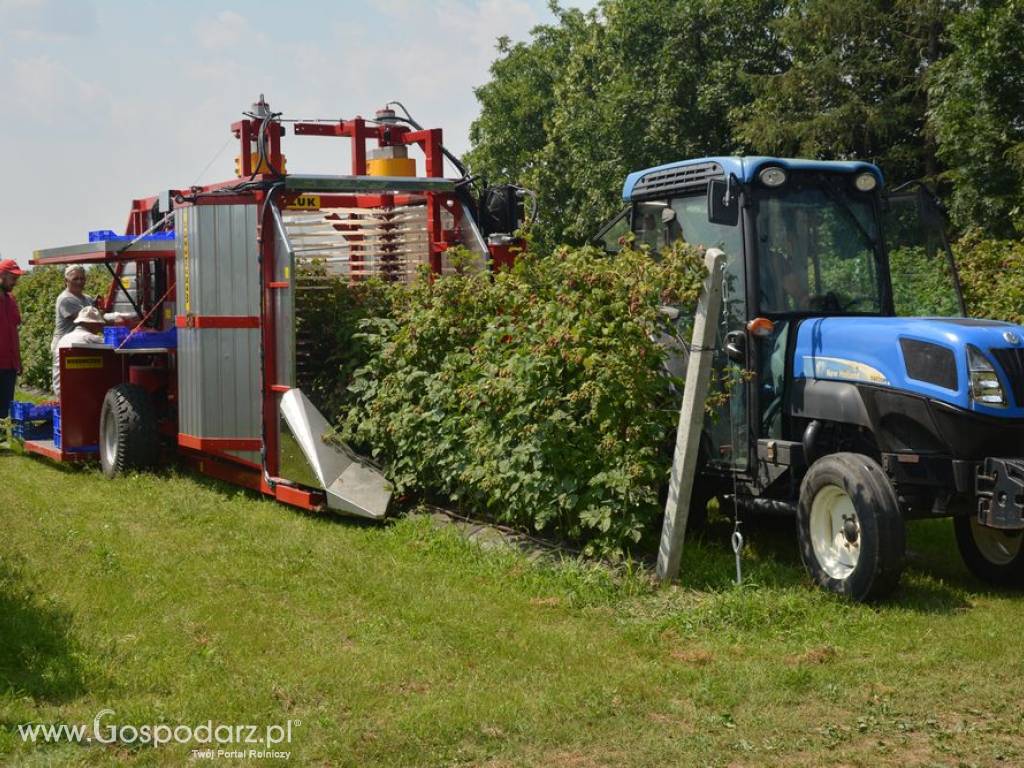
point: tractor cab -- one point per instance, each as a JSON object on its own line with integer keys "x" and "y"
{"x": 856, "y": 383}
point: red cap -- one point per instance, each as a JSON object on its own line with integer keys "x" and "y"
{"x": 10, "y": 265}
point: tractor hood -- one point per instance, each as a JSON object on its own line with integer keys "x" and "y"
{"x": 922, "y": 355}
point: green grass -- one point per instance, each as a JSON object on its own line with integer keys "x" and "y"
{"x": 175, "y": 600}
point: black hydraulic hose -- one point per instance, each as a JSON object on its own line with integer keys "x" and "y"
{"x": 408, "y": 119}
{"x": 261, "y": 143}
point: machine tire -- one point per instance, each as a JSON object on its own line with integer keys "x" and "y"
{"x": 863, "y": 559}
{"x": 995, "y": 557}
{"x": 128, "y": 432}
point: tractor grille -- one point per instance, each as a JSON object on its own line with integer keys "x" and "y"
{"x": 661, "y": 183}
{"x": 1012, "y": 363}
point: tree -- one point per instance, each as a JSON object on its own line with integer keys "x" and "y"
{"x": 855, "y": 84}
{"x": 570, "y": 113}
{"x": 516, "y": 103}
{"x": 978, "y": 117}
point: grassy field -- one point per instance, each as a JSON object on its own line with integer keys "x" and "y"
{"x": 172, "y": 600}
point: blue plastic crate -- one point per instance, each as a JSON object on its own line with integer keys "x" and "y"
{"x": 33, "y": 430}
{"x": 124, "y": 338}
{"x": 158, "y": 339}
{"x": 99, "y": 235}
{"x": 115, "y": 334}
{"x": 21, "y": 411}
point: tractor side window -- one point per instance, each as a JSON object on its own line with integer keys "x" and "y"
{"x": 659, "y": 223}
{"x": 610, "y": 236}
{"x": 652, "y": 225}
{"x": 924, "y": 280}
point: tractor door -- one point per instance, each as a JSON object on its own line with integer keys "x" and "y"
{"x": 657, "y": 223}
{"x": 921, "y": 265}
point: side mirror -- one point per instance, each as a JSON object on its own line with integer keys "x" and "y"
{"x": 723, "y": 203}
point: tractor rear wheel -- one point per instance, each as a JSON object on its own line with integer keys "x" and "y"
{"x": 851, "y": 533}
{"x": 128, "y": 433}
{"x": 994, "y": 556}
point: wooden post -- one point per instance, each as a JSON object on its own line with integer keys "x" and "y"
{"x": 691, "y": 418}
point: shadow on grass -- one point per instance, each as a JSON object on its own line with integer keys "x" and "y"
{"x": 67, "y": 467}
{"x": 932, "y": 553}
{"x": 36, "y": 648}
{"x": 931, "y": 583}
{"x": 230, "y": 490}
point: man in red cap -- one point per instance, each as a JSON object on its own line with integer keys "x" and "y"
{"x": 10, "y": 319}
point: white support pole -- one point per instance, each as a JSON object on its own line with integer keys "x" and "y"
{"x": 691, "y": 418}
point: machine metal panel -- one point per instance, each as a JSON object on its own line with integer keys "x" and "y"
{"x": 224, "y": 261}
{"x": 353, "y": 486}
{"x": 314, "y": 183}
{"x": 217, "y": 274}
{"x": 100, "y": 250}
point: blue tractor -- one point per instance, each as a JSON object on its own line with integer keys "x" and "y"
{"x": 862, "y": 396}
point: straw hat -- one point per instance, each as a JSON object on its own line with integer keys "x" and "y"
{"x": 89, "y": 315}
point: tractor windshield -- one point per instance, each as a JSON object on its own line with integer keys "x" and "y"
{"x": 817, "y": 249}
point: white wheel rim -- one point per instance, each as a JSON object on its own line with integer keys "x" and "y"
{"x": 835, "y": 531}
{"x": 110, "y": 441}
{"x": 998, "y": 547}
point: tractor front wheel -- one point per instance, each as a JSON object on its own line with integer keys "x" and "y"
{"x": 994, "y": 556}
{"x": 128, "y": 432}
{"x": 851, "y": 533}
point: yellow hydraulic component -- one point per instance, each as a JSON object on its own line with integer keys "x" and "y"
{"x": 391, "y": 166}
{"x": 254, "y": 161}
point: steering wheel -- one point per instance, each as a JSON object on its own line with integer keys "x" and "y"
{"x": 825, "y": 302}
{"x": 853, "y": 303}
{"x": 830, "y": 302}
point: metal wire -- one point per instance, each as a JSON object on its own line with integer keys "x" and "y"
{"x": 212, "y": 160}
{"x": 737, "y": 537}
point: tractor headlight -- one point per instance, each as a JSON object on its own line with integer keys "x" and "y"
{"x": 772, "y": 176}
{"x": 985, "y": 386}
{"x": 865, "y": 182}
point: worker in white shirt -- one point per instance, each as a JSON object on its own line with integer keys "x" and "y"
{"x": 88, "y": 329}
{"x": 72, "y": 300}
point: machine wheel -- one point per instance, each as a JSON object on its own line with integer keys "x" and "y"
{"x": 128, "y": 433}
{"x": 994, "y": 556}
{"x": 849, "y": 526}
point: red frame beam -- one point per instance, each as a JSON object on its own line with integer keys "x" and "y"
{"x": 217, "y": 321}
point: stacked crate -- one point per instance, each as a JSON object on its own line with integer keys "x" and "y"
{"x": 31, "y": 422}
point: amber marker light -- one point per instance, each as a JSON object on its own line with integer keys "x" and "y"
{"x": 761, "y": 327}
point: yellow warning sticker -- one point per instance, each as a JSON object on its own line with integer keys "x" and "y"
{"x": 305, "y": 203}
{"x": 185, "y": 266}
{"x": 287, "y": 273}
{"x": 83, "y": 363}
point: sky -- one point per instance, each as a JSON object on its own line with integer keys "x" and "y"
{"x": 107, "y": 101}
